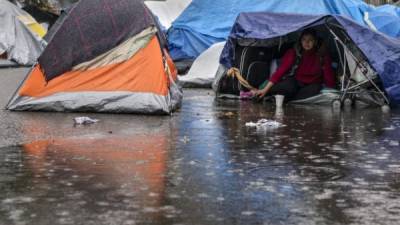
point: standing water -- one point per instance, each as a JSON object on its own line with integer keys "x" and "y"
{"x": 203, "y": 165}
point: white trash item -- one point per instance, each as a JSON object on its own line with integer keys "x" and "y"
{"x": 264, "y": 123}
{"x": 83, "y": 120}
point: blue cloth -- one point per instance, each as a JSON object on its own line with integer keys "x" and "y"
{"x": 382, "y": 52}
{"x": 205, "y": 22}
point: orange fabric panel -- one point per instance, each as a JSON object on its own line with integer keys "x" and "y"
{"x": 144, "y": 72}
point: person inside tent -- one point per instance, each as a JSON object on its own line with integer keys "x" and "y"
{"x": 303, "y": 72}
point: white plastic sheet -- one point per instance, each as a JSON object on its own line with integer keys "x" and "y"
{"x": 204, "y": 68}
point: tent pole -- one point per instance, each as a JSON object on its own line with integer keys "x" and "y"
{"x": 359, "y": 64}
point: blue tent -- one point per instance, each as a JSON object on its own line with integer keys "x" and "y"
{"x": 382, "y": 52}
{"x": 205, "y": 22}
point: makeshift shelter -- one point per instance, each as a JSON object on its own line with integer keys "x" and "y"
{"x": 205, "y": 22}
{"x": 103, "y": 56}
{"x": 360, "y": 53}
{"x": 20, "y": 35}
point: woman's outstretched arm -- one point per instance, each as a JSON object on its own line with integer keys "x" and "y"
{"x": 287, "y": 62}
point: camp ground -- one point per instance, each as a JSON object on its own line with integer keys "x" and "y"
{"x": 94, "y": 61}
{"x": 20, "y": 36}
{"x": 367, "y": 62}
{"x": 98, "y": 131}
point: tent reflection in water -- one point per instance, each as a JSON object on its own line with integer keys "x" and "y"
{"x": 106, "y": 56}
{"x": 126, "y": 167}
{"x": 367, "y": 62}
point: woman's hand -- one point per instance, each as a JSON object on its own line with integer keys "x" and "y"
{"x": 260, "y": 93}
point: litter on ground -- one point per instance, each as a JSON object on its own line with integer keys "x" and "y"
{"x": 265, "y": 123}
{"x": 83, "y": 120}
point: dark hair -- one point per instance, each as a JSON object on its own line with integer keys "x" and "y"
{"x": 309, "y": 31}
{"x": 319, "y": 45}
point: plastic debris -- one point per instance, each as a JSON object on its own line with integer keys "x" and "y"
{"x": 264, "y": 123}
{"x": 84, "y": 120}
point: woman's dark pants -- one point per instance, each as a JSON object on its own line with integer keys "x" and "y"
{"x": 295, "y": 90}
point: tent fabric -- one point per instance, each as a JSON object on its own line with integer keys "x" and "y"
{"x": 92, "y": 19}
{"x": 381, "y": 51}
{"x": 120, "y": 53}
{"x": 167, "y": 11}
{"x": 136, "y": 75}
{"x": 204, "y": 68}
{"x": 205, "y": 22}
{"x": 20, "y": 35}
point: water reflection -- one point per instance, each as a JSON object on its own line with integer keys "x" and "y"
{"x": 316, "y": 160}
{"x": 118, "y": 179}
{"x": 204, "y": 166}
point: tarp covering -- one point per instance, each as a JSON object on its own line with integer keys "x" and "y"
{"x": 167, "y": 11}
{"x": 17, "y": 34}
{"x": 385, "y": 19}
{"x": 205, "y": 22}
{"x": 103, "y": 64}
{"x": 391, "y": 9}
{"x": 382, "y": 52}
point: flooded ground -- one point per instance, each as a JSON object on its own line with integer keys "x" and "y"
{"x": 202, "y": 165}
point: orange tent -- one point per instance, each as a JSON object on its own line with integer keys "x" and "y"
{"x": 106, "y": 56}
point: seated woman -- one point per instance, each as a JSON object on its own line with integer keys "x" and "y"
{"x": 303, "y": 71}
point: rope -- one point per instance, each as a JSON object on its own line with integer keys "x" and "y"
{"x": 234, "y": 72}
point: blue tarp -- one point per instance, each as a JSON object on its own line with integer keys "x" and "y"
{"x": 382, "y": 52}
{"x": 391, "y": 9}
{"x": 205, "y": 22}
{"x": 386, "y": 19}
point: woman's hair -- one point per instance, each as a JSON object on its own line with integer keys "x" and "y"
{"x": 309, "y": 31}
{"x": 319, "y": 45}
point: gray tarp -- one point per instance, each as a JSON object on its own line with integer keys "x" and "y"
{"x": 20, "y": 44}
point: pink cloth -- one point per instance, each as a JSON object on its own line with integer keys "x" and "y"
{"x": 246, "y": 95}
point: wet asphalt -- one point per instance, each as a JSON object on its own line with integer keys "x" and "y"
{"x": 200, "y": 165}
